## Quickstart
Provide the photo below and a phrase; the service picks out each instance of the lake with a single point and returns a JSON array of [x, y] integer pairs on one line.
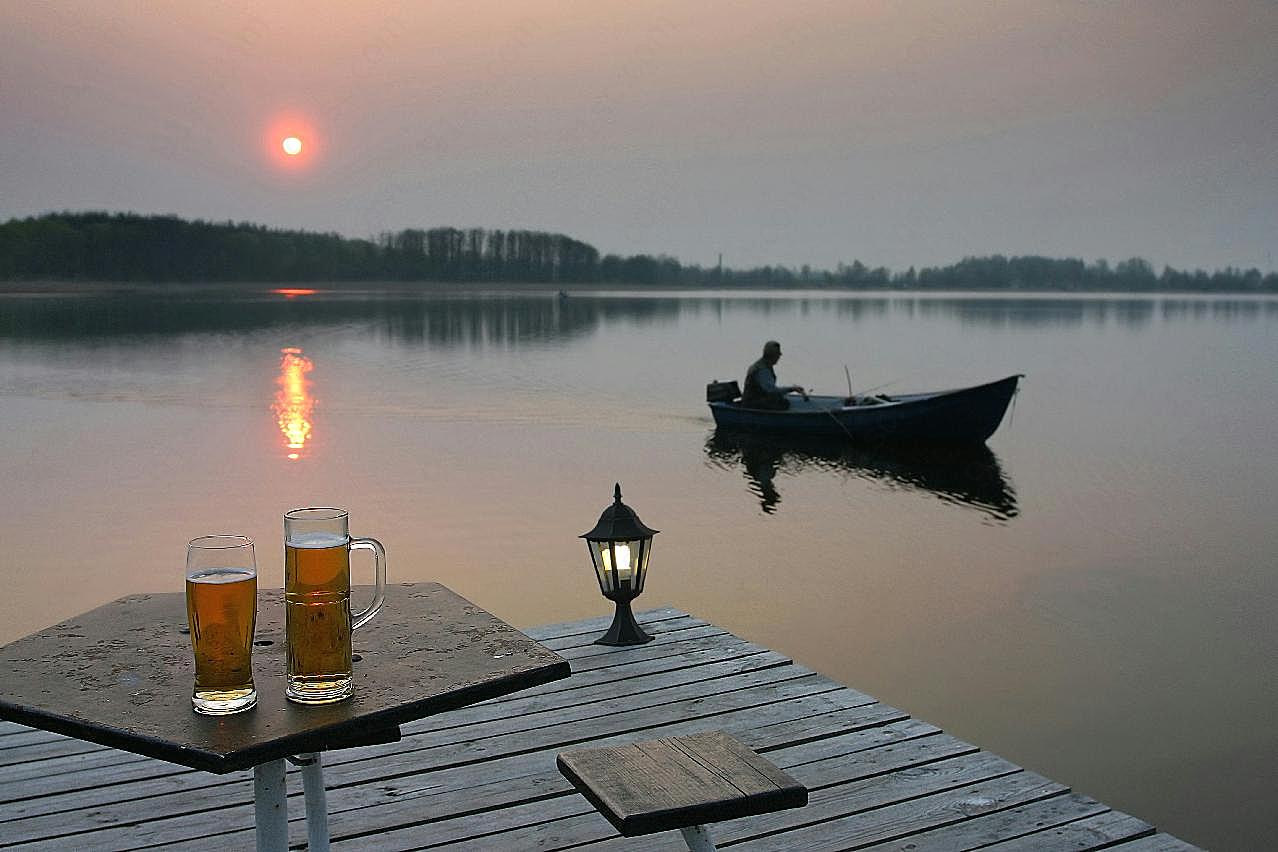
[[1091, 598]]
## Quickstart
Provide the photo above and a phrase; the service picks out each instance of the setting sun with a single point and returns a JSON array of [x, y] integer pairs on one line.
[[291, 141]]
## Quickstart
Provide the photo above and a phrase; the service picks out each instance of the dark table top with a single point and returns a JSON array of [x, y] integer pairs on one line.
[[121, 675]]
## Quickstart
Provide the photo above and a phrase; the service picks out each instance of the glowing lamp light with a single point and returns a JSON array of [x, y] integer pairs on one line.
[[619, 548], [292, 146], [624, 571]]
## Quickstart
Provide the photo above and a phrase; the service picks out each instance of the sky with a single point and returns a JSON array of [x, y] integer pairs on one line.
[[896, 132]]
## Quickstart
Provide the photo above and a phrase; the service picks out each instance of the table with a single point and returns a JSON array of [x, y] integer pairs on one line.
[[680, 782], [121, 675]]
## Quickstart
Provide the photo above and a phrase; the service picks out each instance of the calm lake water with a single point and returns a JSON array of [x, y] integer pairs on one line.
[[1093, 598]]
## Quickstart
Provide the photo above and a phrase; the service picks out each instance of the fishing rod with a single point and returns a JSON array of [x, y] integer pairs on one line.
[[847, 374], [876, 387]]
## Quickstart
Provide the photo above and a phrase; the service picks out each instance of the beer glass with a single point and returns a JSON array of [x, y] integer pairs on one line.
[[221, 609], [317, 602]]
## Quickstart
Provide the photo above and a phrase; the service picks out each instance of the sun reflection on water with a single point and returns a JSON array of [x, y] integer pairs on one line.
[[293, 401]]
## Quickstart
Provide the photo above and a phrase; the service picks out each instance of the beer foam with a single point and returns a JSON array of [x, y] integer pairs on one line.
[[316, 540], [220, 575]]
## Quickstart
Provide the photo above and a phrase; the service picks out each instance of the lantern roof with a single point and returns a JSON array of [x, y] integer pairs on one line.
[[618, 523]]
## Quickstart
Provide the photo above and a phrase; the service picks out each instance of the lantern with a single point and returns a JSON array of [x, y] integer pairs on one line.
[[619, 547]]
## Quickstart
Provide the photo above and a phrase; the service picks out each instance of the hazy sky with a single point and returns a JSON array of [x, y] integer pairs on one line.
[[895, 132]]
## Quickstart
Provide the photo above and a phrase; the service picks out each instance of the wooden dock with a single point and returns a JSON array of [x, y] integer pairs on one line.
[[484, 778]]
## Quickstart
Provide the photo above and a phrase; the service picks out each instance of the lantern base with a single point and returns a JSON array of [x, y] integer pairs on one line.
[[624, 629]]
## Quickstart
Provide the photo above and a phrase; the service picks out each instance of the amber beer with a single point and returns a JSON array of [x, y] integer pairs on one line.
[[221, 611], [317, 602], [317, 583]]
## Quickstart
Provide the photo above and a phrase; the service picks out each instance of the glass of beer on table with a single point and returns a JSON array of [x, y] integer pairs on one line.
[[317, 602], [221, 609]]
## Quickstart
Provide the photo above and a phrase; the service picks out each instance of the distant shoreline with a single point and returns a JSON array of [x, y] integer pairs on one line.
[[89, 251], [156, 288]]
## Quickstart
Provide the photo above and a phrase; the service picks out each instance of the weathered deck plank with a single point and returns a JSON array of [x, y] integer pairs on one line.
[[1095, 832], [484, 778]]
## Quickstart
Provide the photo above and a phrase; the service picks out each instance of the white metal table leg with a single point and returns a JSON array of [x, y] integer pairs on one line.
[[698, 839], [316, 801], [270, 807]]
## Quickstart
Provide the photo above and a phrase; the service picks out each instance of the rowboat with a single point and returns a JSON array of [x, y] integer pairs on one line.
[[959, 416]]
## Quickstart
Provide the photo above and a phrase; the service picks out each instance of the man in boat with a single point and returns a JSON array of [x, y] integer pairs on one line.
[[761, 389]]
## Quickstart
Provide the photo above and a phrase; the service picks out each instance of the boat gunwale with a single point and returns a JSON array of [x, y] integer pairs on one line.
[[895, 402]]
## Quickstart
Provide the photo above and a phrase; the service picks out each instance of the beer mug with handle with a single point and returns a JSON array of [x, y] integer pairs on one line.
[[317, 602]]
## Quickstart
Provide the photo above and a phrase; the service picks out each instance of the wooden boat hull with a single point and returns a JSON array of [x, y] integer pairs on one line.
[[962, 416]]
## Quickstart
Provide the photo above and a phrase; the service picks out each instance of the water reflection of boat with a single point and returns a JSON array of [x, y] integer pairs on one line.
[[961, 416], [964, 476]]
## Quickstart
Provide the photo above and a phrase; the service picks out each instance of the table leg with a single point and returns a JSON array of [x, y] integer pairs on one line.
[[316, 801], [270, 807], [697, 838]]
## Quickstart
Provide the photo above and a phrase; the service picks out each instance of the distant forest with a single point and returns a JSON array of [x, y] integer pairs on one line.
[[127, 247]]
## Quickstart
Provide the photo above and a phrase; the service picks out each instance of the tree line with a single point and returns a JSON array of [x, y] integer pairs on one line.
[[128, 247]]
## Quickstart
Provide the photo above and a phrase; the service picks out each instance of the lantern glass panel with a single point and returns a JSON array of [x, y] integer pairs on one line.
[[596, 557], [644, 551], [620, 564]]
